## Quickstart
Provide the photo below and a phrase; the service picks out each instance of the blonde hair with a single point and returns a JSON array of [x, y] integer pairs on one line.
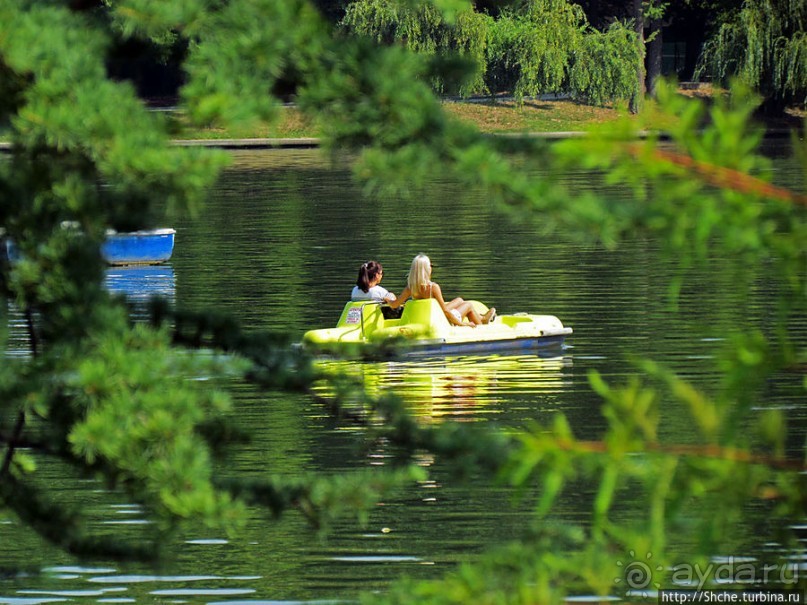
[[419, 274]]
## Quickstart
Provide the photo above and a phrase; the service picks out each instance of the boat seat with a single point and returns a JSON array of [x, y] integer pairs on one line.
[[364, 315], [425, 312]]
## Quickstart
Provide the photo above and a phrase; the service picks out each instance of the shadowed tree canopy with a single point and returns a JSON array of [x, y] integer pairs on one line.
[[765, 44]]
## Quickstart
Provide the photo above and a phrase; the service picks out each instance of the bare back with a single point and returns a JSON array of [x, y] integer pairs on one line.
[[425, 292]]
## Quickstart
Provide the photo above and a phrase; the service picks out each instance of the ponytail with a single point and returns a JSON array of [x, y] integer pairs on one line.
[[363, 281], [368, 272]]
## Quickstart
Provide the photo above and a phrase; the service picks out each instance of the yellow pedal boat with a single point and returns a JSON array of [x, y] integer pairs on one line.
[[423, 328]]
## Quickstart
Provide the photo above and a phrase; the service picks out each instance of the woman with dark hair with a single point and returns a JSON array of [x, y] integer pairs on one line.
[[367, 288]]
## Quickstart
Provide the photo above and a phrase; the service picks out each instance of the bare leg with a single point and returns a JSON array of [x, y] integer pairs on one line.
[[466, 309]]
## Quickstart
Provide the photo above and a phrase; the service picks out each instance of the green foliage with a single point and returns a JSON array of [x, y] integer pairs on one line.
[[369, 86], [121, 403], [694, 216], [513, 575], [764, 44], [604, 66], [537, 43], [96, 393], [138, 411], [700, 488], [323, 499], [544, 46], [424, 28], [698, 196], [654, 9], [131, 155], [283, 36]]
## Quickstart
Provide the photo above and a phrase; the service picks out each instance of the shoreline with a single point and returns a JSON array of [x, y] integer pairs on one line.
[[314, 142], [776, 132]]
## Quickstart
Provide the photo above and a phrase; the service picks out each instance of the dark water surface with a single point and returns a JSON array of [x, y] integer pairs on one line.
[[278, 246]]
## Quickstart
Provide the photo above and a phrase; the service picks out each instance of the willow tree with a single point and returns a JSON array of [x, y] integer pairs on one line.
[[765, 44], [604, 67], [533, 48], [424, 29], [536, 43], [95, 393]]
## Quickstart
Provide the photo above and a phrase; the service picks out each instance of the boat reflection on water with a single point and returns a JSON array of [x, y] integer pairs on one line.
[[14, 336], [140, 283], [465, 388], [137, 283]]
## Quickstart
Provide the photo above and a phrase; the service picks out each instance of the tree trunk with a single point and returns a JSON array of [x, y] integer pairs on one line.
[[654, 55], [637, 100]]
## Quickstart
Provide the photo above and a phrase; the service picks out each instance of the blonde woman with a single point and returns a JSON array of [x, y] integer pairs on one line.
[[419, 286]]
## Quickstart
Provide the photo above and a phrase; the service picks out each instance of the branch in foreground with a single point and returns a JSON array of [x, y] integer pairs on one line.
[[725, 178]]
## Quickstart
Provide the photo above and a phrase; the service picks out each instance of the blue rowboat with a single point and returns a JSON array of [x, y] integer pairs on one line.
[[147, 247]]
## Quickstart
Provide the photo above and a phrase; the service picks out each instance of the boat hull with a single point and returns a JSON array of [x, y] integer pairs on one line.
[[510, 346], [148, 247], [423, 330], [139, 247]]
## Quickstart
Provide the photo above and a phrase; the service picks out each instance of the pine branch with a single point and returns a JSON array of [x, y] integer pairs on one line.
[[725, 178], [710, 451], [63, 527]]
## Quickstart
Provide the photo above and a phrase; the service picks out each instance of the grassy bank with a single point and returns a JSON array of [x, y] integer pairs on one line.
[[489, 116], [498, 116]]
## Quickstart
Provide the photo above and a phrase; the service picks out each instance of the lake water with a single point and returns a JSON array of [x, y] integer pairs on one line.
[[278, 246]]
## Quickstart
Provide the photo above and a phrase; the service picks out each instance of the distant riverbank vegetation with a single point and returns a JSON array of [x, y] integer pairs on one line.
[[765, 44], [539, 47], [552, 65], [595, 51], [492, 116]]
